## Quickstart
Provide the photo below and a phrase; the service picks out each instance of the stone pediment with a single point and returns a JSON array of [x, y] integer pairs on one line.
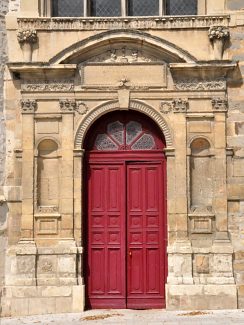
[[123, 54]]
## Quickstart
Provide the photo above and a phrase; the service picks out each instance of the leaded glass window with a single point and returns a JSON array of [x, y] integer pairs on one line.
[[105, 8], [129, 136], [143, 8], [181, 7], [67, 8]]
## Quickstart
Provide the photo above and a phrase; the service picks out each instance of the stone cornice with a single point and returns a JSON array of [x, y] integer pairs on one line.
[[91, 23]]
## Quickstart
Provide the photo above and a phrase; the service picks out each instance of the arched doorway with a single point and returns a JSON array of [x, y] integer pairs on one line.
[[126, 228]]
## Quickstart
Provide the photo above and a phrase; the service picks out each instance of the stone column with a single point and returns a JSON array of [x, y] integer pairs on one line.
[[27, 222], [220, 188], [66, 181], [179, 248]]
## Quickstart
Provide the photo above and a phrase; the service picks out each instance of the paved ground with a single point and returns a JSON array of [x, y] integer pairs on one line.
[[133, 317]]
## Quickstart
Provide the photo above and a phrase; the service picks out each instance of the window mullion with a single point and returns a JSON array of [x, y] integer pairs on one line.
[[85, 8], [123, 8], [161, 7]]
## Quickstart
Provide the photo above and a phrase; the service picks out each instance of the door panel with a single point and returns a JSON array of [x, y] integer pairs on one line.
[[145, 253], [106, 236]]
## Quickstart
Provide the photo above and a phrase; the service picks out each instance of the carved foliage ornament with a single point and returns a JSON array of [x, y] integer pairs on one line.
[[218, 32], [28, 105], [196, 84], [178, 105], [220, 104], [70, 105], [52, 86], [27, 35]]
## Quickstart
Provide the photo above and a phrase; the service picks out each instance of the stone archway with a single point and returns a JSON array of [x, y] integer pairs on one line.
[[112, 106]]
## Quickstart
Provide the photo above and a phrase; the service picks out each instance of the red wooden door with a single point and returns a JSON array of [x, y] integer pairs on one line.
[[126, 227]]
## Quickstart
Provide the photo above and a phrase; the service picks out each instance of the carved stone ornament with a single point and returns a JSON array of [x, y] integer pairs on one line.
[[166, 107], [27, 35], [81, 108], [123, 55], [70, 105], [218, 36], [218, 32], [122, 22], [67, 105], [220, 104], [178, 105], [47, 209], [196, 84], [46, 266], [28, 106], [52, 86]]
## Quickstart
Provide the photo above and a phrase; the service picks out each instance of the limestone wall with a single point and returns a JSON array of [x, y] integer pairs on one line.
[[3, 208], [235, 140]]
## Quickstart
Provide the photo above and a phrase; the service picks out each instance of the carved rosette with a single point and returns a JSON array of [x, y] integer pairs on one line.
[[26, 38], [67, 105], [178, 105], [220, 104], [81, 108], [218, 35], [28, 106]]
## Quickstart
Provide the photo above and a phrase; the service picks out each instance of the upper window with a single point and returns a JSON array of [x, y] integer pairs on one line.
[[117, 8]]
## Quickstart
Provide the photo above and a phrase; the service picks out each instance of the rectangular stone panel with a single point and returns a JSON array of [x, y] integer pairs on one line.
[[119, 75], [47, 127], [238, 167]]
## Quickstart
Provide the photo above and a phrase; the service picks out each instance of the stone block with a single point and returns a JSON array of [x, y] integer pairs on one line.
[[238, 167], [42, 306], [19, 307], [63, 305], [78, 299], [66, 265], [202, 263], [58, 291]]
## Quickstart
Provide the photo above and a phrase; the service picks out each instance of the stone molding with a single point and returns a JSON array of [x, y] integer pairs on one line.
[[178, 105], [220, 104], [91, 23], [114, 105], [51, 86], [28, 106], [198, 85], [71, 106]]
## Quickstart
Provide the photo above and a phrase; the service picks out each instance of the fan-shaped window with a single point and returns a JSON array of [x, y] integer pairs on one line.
[[125, 131]]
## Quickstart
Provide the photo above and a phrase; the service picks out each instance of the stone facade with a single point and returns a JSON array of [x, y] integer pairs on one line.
[[53, 94]]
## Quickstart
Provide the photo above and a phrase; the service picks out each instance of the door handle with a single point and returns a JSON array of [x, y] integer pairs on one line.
[[130, 253]]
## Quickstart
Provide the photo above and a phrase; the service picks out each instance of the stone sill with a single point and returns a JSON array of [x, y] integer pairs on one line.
[[103, 23]]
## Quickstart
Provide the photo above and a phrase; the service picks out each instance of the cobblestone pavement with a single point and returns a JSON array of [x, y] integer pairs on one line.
[[134, 317]]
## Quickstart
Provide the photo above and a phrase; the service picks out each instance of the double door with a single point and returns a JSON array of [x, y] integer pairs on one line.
[[126, 235]]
